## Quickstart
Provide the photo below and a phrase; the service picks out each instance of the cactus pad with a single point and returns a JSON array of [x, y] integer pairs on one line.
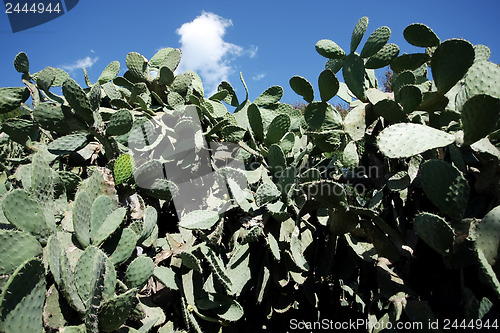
[[139, 271], [20, 247], [435, 232], [22, 298], [445, 186], [406, 140], [488, 235], [418, 34]]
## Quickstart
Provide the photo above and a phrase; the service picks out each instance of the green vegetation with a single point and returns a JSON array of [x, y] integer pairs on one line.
[[137, 204]]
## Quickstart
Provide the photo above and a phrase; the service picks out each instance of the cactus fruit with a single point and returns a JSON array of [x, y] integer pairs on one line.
[[406, 140], [419, 34], [23, 297], [139, 271]]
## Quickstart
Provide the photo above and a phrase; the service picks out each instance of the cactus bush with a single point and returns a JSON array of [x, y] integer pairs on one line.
[[138, 204]]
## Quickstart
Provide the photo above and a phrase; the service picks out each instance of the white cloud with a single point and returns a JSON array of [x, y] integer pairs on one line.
[[259, 77], [86, 62], [252, 52], [205, 51]]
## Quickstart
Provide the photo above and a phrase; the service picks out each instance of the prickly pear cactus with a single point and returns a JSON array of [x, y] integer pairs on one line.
[[136, 203]]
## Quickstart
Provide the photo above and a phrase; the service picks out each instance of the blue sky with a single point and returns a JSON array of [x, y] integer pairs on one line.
[[269, 41]]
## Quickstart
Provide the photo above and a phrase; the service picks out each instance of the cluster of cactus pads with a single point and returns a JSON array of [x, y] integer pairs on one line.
[[391, 213]]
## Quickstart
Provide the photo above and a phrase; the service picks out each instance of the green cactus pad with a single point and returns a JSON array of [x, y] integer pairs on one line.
[[25, 213], [383, 57], [157, 60], [123, 169], [418, 34], [350, 157], [68, 143], [120, 123], [42, 180], [21, 63], [328, 85], [390, 111], [277, 129], [303, 88], [481, 53], [109, 73], [199, 219], [50, 117], [137, 65], [115, 311], [375, 42], [358, 32], [445, 186], [435, 232], [55, 310], [480, 115], [355, 123], [77, 99], [20, 247], [86, 271], [255, 121], [334, 64], [125, 247], [489, 274], [101, 208], [406, 140], [447, 73], [22, 298], [329, 49], [266, 192], [483, 78], [354, 75], [11, 98], [410, 98], [139, 271], [45, 78], [172, 59], [327, 193], [276, 161], [270, 96], [409, 62], [109, 226], [149, 223], [82, 208], [487, 235], [20, 130]]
